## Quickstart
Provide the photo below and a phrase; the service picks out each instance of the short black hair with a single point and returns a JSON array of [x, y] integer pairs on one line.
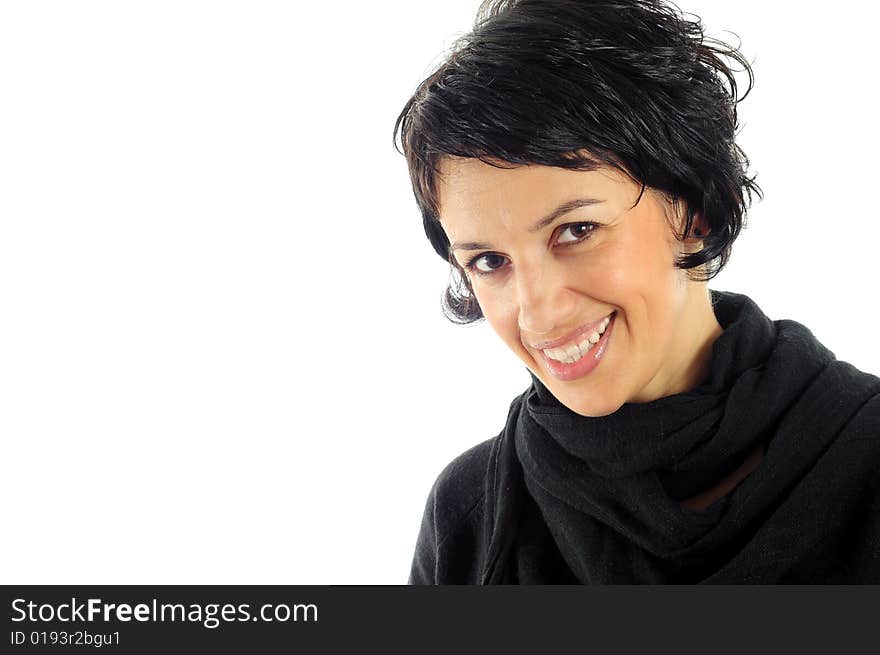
[[578, 84]]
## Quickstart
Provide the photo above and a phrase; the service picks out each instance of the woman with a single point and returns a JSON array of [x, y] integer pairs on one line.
[[575, 162]]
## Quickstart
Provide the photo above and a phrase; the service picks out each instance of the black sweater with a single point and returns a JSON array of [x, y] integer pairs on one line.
[[560, 498]]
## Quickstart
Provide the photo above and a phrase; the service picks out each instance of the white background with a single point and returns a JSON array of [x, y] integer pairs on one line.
[[222, 356]]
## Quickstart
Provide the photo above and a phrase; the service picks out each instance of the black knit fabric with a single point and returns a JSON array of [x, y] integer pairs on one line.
[[561, 498]]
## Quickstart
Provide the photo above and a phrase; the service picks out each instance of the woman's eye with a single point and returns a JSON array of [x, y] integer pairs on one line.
[[579, 232], [486, 263]]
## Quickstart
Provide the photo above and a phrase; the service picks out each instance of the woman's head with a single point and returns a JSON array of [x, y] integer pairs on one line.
[[551, 252], [548, 102]]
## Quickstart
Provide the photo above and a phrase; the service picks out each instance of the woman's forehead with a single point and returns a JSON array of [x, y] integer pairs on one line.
[[469, 188]]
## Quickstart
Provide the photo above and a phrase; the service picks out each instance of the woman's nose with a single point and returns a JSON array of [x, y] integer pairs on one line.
[[544, 302]]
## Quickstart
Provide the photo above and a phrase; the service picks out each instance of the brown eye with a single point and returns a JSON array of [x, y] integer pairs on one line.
[[579, 232], [486, 264]]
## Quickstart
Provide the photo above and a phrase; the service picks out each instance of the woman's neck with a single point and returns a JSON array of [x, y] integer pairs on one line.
[[691, 357]]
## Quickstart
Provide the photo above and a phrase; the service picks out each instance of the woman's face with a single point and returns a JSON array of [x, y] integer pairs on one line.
[[551, 254]]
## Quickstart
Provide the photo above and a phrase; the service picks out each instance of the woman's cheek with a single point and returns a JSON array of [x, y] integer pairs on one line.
[[502, 315], [612, 279]]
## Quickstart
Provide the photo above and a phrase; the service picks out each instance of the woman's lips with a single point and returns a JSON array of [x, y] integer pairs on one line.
[[583, 366], [572, 337]]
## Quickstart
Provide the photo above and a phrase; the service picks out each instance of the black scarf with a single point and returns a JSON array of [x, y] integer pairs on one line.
[[597, 500]]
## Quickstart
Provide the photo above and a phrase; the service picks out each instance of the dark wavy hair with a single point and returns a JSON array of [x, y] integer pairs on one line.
[[578, 84]]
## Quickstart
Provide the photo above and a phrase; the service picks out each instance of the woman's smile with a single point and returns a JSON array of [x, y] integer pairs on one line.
[[577, 358]]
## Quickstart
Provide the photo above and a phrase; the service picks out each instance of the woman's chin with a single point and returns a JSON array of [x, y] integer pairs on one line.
[[591, 409], [586, 402]]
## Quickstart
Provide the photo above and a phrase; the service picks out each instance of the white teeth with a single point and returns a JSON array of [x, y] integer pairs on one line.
[[571, 353]]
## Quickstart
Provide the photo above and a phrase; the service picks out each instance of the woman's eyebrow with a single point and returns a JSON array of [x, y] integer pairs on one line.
[[561, 210]]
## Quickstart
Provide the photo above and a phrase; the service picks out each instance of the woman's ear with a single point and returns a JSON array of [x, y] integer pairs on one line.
[[693, 241], [699, 229], [701, 226]]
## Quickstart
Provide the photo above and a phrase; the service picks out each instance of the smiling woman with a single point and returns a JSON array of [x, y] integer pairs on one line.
[[575, 163], [556, 291]]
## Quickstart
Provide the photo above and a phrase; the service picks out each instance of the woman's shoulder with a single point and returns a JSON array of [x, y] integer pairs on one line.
[[460, 486], [857, 394], [451, 538]]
